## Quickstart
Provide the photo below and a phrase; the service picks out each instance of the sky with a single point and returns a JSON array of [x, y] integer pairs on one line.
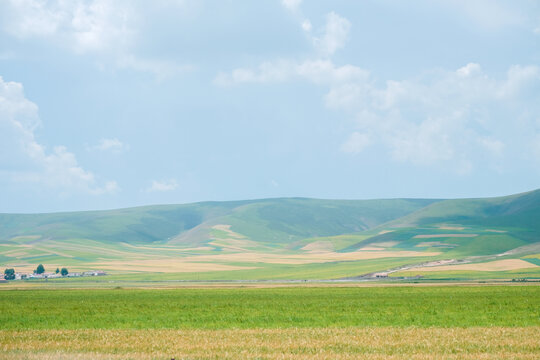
[[111, 104]]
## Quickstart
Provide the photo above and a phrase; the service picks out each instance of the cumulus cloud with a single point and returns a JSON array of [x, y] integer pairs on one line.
[[165, 185], [85, 26], [23, 158], [306, 25], [104, 28], [113, 145], [489, 14], [335, 34], [161, 69], [332, 37], [291, 5], [356, 143], [494, 146], [316, 71], [441, 117]]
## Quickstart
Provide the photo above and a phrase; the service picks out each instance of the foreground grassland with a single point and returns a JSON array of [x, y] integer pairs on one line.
[[271, 308], [447, 322], [295, 343]]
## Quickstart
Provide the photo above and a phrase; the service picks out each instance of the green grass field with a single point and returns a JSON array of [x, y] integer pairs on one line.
[[271, 307], [441, 322]]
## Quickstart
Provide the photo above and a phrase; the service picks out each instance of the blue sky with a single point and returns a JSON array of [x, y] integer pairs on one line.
[[107, 104]]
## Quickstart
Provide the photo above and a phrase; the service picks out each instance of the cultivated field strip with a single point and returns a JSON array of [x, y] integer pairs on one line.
[[293, 343]]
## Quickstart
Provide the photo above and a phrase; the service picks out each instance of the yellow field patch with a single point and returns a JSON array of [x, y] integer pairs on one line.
[[25, 238], [234, 241], [293, 343], [433, 243], [498, 265], [319, 246], [429, 236], [227, 229], [166, 265], [321, 257], [387, 244], [166, 248], [448, 227]]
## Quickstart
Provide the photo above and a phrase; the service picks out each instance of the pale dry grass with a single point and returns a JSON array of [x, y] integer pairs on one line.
[[447, 227], [234, 241], [387, 244], [319, 257], [319, 246], [320, 343], [167, 248], [498, 265], [227, 228], [166, 265], [434, 243], [429, 236]]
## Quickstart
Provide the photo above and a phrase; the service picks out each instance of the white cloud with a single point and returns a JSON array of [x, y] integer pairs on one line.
[[306, 25], [161, 69], [441, 118], [468, 70], [165, 185], [23, 158], [520, 79], [85, 26], [106, 29], [316, 71], [291, 5], [113, 145], [494, 146], [356, 143], [335, 35], [489, 14]]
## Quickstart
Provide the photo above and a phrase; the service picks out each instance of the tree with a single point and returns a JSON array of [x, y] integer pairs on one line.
[[40, 269], [57, 270], [9, 274], [64, 271]]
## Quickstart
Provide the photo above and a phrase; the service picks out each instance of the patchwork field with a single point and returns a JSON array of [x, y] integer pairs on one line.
[[286, 239], [438, 322]]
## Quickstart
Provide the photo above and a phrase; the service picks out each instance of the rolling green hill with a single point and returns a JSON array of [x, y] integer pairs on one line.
[[287, 238], [278, 220]]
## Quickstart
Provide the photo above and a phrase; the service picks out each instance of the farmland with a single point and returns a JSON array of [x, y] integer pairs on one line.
[[285, 239], [297, 322]]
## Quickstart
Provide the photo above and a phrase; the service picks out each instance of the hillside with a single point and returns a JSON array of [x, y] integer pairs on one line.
[[288, 238], [277, 220]]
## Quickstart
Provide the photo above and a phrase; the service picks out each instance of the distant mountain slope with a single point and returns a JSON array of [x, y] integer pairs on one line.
[[520, 211], [287, 238], [269, 220]]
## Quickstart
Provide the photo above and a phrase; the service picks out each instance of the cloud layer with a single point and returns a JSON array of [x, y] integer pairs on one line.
[[24, 159]]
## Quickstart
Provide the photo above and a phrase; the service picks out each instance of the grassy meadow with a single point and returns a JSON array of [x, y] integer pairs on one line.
[[202, 281], [453, 322]]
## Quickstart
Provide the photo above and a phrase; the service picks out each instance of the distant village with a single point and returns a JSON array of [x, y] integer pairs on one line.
[[40, 273]]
